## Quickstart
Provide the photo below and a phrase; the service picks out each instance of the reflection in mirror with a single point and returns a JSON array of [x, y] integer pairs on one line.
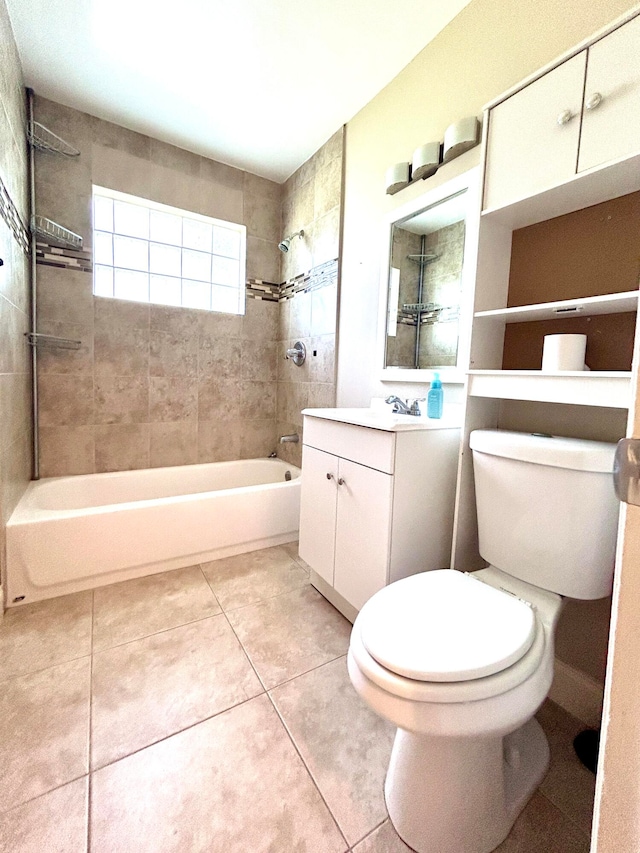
[[425, 286]]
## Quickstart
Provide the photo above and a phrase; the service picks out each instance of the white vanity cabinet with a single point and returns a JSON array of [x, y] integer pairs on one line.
[[376, 502], [578, 115]]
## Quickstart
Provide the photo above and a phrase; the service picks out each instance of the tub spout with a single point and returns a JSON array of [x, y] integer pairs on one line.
[[294, 439]]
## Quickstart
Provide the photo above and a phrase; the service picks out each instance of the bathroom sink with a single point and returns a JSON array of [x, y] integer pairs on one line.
[[380, 419]]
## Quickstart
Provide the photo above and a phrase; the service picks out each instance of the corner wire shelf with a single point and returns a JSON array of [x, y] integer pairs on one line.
[[43, 139], [37, 339], [423, 259], [429, 313], [55, 234]]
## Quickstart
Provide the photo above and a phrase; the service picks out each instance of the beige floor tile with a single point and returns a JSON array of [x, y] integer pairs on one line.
[[39, 635], [44, 731], [253, 577], [345, 746], [290, 634], [233, 783], [151, 688], [542, 827], [384, 840], [292, 550], [134, 609], [568, 784], [53, 823]]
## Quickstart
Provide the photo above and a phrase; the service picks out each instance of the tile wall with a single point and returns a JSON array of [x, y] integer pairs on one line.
[[154, 386], [312, 200], [15, 412], [151, 385]]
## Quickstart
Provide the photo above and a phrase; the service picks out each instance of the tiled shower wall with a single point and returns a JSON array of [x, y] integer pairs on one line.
[[312, 201], [151, 385], [15, 413]]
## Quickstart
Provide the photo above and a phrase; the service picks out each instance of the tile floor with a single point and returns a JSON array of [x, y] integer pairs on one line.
[[209, 709]]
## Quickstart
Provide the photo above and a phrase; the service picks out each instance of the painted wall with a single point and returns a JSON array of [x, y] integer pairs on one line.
[[15, 412], [489, 47]]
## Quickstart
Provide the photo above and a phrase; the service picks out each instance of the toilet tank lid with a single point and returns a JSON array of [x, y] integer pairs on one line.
[[556, 451]]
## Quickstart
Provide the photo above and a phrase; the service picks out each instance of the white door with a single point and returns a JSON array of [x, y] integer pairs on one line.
[[362, 532], [318, 496], [533, 135], [611, 118]]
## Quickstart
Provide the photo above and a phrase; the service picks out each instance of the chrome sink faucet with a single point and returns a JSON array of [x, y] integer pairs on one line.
[[400, 407]]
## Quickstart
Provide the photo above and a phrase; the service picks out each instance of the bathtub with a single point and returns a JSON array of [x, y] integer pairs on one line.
[[73, 533]]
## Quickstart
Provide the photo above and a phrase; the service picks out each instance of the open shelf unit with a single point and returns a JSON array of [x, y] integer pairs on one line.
[[610, 303], [606, 388]]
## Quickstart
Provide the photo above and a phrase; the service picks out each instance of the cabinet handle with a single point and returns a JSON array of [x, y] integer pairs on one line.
[[341, 481], [564, 117], [594, 101], [329, 476]]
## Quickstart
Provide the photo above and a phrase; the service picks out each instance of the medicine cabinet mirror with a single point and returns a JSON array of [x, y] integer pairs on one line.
[[427, 288]]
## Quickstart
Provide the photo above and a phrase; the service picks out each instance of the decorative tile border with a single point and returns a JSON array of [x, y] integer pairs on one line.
[[321, 276], [55, 256], [9, 213]]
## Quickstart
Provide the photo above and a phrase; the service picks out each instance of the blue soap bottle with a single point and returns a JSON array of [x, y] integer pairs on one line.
[[434, 398]]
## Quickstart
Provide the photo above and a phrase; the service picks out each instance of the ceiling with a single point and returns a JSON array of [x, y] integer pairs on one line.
[[258, 84]]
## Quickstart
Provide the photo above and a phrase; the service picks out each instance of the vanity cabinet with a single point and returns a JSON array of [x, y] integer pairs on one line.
[[376, 504], [576, 116]]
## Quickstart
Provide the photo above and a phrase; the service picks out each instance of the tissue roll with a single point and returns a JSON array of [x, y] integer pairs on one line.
[[563, 352]]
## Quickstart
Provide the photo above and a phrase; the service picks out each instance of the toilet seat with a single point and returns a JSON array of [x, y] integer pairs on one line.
[[446, 692], [446, 626]]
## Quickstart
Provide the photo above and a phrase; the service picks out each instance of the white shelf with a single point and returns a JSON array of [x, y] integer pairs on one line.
[[608, 388], [610, 303]]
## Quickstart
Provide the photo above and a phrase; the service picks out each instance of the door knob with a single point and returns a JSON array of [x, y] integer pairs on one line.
[[341, 481], [329, 476], [626, 471], [593, 101], [564, 117]]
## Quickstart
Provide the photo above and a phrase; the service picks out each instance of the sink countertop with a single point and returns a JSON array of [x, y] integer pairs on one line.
[[384, 420]]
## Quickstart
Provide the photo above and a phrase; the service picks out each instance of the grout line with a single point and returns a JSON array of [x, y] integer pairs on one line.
[[306, 672], [42, 794], [42, 668], [311, 776]]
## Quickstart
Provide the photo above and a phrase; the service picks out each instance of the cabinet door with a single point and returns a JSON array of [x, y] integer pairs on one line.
[[362, 532], [318, 496], [529, 147], [611, 118]]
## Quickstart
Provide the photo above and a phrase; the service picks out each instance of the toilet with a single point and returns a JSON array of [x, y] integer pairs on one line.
[[461, 662]]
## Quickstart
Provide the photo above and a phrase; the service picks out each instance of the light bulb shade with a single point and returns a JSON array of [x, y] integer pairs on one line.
[[397, 177], [426, 160], [460, 137]]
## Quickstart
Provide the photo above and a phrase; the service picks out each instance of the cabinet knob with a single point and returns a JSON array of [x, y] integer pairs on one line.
[[329, 476], [340, 481], [593, 101], [564, 117]]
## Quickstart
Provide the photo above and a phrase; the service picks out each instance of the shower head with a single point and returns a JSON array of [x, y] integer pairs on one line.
[[284, 245]]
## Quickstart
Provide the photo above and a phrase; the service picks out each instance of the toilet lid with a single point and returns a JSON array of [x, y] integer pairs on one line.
[[445, 626]]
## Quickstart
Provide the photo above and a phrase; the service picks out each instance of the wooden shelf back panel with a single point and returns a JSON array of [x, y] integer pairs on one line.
[[592, 251], [609, 341]]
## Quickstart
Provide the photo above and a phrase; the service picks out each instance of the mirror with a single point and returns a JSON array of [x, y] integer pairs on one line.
[[427, 280]]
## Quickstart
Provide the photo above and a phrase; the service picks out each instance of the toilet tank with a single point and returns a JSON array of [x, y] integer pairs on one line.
[[547, 511]]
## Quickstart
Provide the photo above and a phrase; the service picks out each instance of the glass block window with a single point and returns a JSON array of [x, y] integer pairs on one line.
[[149, 252]]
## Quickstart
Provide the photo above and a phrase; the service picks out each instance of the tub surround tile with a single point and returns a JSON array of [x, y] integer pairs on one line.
[[111, 314], [260, 321], [151, 688], [223, 362], [219, 440], [173, 444], [258, 360], [345, 746], [251, 578], [36, 636], [233, 782], [290, 634], [44, 731], [68, 361], [173, 398], [138, 608], [121, 399], [258, 400], [121, 447], [212, 327], [257, 438], [219, 399], [67, 450], [55, 822], [172, 355], [65, 295], [65, 400], [121, 351]]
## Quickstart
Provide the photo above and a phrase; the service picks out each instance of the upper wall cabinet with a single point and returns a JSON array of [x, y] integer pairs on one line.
[[581, 114]]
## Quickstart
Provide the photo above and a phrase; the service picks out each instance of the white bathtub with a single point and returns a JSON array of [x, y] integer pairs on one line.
[[73, 533]]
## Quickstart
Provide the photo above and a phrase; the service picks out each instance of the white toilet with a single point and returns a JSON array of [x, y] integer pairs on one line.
[[460, 662]]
